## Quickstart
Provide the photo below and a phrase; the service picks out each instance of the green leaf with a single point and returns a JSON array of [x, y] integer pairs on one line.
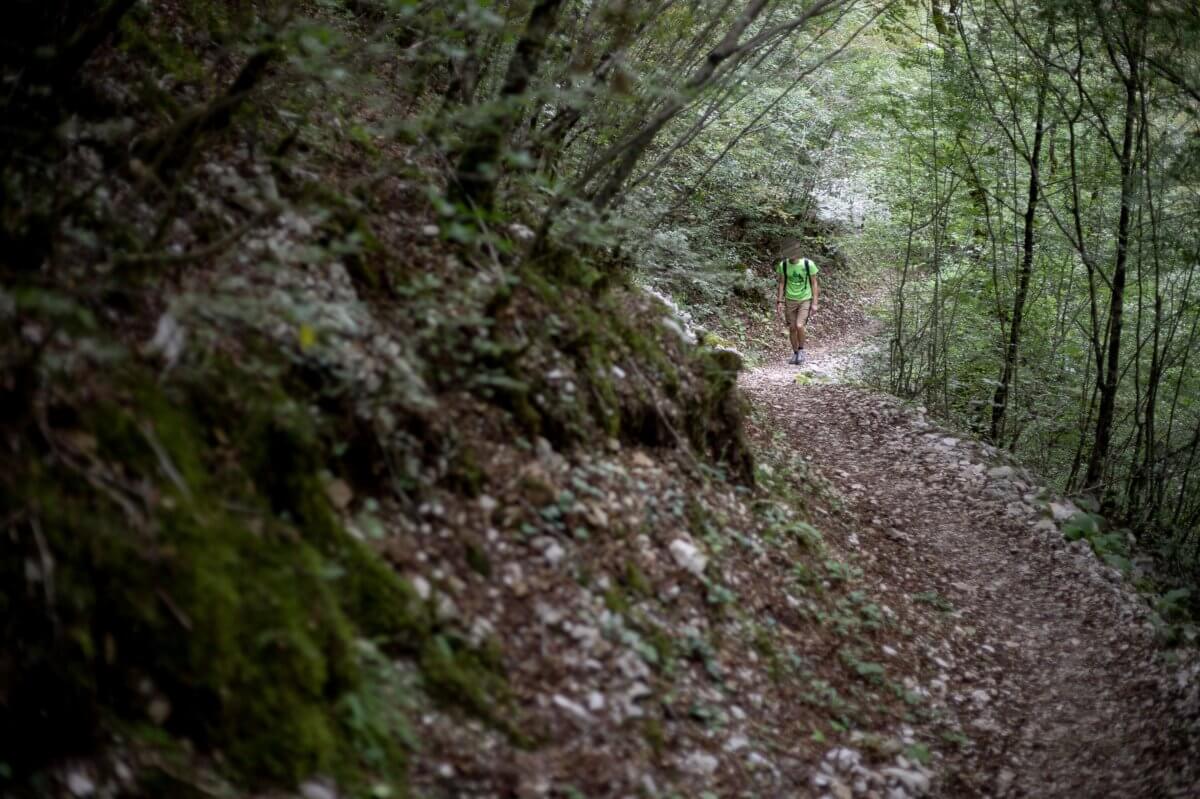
[[919, 752], [1081, 525]]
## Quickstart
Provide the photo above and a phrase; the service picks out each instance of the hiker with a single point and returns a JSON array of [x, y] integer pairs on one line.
[[799, 295]]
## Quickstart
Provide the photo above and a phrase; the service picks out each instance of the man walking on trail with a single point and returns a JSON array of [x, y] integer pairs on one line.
[[799, 295]]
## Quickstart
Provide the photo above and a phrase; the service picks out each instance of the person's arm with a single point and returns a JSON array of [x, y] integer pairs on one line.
[[816, 287], [779, 293]]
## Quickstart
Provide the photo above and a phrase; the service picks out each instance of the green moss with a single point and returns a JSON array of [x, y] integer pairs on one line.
[[465, 474], [235, 626], [466, 677], [616, 601], [663, 643], [655, 735], [195, 557], [636, 580], [477, 558], [674, 390], [715, 411], [698, 517]]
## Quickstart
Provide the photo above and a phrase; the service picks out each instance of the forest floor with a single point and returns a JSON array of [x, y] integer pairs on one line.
[[1039, 661]]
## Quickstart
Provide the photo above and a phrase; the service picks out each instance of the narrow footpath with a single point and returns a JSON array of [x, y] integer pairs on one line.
[[1038, 658]]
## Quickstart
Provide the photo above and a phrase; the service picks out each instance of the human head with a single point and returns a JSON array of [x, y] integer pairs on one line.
[[791, 249]]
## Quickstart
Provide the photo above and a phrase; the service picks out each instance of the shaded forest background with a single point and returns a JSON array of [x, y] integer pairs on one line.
[[263, 259]]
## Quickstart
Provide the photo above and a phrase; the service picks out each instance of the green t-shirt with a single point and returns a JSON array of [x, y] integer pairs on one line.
[[799, 282]]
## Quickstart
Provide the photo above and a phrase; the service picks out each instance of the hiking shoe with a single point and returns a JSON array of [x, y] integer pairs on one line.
[[800, 359], [792, 360]]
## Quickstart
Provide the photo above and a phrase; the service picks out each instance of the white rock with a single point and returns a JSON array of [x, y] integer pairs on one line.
[[586, 635], [914, 782], [481, 630], [756, 760], [421, 586], [312, 789], [445, 609], [843, 758], [688, 557], [700, 763], [595, 701], [429, 230], [1046, 526], [547, 614], [1062, 511], [80, 784], [736, 742], [554, 554], [521, 232], [980, 696], [573, 709], [1000, 472], [169, 339]]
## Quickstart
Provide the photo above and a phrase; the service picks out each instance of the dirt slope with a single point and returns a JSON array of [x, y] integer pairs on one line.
[[1037, 657]]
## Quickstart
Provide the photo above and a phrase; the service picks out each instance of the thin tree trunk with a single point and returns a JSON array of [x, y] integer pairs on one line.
[[478, 168], [1098, 460], [631, 150], [1012, 352]]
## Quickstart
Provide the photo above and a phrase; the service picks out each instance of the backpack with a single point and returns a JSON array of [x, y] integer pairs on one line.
[[807, 269]]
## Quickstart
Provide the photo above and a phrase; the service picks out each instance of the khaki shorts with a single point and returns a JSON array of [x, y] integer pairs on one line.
[[796, 312]]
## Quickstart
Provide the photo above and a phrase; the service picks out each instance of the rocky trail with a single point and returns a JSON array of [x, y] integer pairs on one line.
[[1038, 659]]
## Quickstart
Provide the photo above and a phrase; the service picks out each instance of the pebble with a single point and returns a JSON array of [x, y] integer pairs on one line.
[[80, 784], [314, 789], [554, 554], [688, 557], [445, 609], [573, 709], [521, 232], [843, 758], [736, 743], [700, 763]]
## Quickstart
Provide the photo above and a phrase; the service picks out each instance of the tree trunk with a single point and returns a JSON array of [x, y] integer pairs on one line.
[[1012, 352], [478, 168], [1098, 460]]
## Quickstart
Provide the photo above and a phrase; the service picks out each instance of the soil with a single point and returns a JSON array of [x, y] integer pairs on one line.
[[1039, 658]]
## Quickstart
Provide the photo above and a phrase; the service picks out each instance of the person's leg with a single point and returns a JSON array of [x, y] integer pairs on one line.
[[792, 315], [801, 319]]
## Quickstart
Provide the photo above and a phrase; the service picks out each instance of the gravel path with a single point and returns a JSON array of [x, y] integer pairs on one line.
[[1038, 659]]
